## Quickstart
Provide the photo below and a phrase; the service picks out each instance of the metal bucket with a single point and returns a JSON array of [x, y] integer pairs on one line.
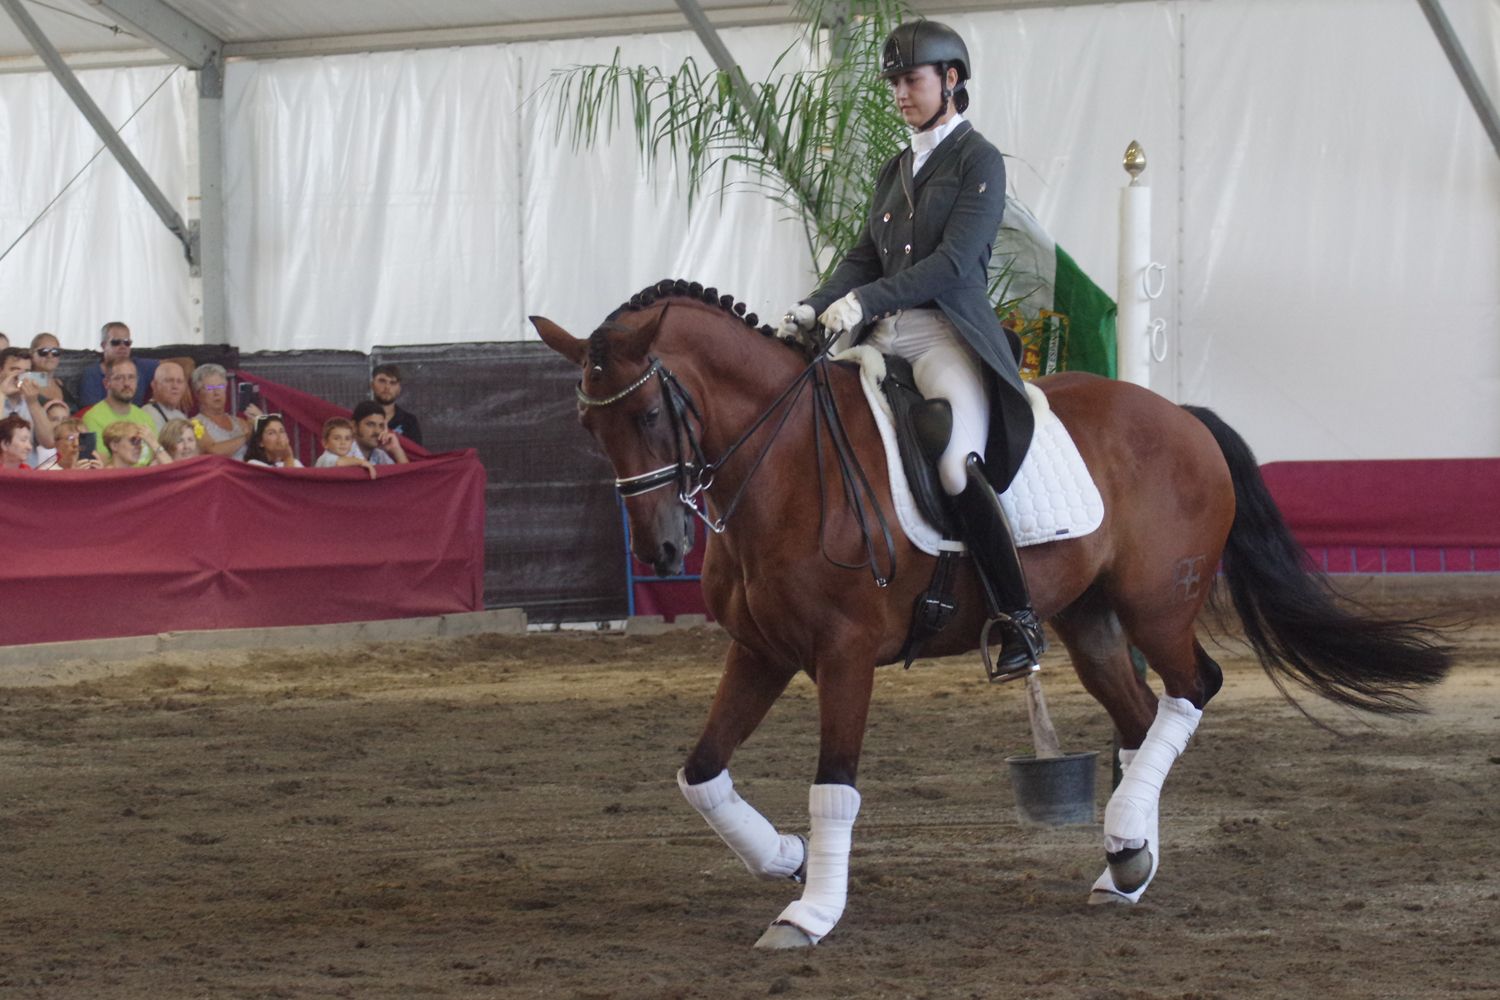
[[1054, 791]]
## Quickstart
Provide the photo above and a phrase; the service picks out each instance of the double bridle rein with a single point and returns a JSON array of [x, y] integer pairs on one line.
[[693, 473]]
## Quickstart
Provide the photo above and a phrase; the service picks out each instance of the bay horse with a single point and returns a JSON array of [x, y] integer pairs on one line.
[[691, 403]]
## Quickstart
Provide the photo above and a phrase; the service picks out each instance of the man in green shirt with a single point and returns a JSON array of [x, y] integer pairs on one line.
[[119, 389]]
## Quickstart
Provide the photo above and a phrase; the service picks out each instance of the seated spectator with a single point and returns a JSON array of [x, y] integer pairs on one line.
[[15, 443], [66, 457], [21, 396], [114, 345], [169, 395], [385, 389], [131, 445], [180, 439], [338, 446], [270, 444], [223, 432], [372, 441], [46, 355], [117, 406], [56, 412]]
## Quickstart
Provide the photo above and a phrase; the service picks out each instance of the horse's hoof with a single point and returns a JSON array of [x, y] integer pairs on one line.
[[1130, 868], [781, 936]]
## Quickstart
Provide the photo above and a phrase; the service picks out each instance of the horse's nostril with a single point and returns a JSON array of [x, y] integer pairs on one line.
[[668, 552]]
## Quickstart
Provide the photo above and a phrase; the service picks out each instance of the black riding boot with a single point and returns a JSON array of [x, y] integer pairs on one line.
[[988, 536]]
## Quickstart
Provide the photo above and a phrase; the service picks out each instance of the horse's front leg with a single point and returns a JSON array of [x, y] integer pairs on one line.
[[747, 690], [832, 803]]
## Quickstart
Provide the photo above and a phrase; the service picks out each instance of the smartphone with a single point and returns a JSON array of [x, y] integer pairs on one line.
[[248, 394], [40, 378], [86, 445]]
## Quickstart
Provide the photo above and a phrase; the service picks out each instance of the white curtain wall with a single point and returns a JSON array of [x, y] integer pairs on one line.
[[99, 253], [1324, 198]]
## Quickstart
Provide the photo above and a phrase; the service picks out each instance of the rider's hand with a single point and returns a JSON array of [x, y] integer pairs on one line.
[[844, 316], [797, 323]]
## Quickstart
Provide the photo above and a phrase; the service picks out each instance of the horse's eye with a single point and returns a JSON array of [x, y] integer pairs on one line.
[[651, 416]]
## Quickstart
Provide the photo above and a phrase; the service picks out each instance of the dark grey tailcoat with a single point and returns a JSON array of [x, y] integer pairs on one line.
[[927, 243]]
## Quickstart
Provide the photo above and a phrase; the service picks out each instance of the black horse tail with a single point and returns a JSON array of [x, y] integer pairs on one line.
[[1299, 628]]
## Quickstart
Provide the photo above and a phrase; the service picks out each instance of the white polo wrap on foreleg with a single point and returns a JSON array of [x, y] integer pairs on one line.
[[1130, 818], [768, 854], [832, 810]]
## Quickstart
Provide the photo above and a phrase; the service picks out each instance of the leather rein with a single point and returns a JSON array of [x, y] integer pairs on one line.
[[693, 474]]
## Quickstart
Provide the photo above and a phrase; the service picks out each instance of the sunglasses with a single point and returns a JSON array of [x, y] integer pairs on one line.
[[116, 342], [49, 352], [267, 416]]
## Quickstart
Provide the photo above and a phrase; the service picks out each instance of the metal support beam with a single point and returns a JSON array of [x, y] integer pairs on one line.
[[102, 127], [1472, 85], [182, 39], [209, 231]]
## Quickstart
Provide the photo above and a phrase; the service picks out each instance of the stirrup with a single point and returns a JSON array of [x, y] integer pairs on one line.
[[1034, 648]]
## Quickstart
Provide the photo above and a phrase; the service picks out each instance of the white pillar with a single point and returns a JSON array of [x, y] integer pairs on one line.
[[1132, 322]]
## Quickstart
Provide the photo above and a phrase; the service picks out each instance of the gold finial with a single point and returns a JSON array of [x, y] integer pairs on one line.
[[1135, 160]]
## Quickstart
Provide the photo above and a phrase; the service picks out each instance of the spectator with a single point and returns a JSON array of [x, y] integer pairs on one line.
[[68, 434], [117, 406], [56, 412], [15, 442], [372, 440], [169, 395], [270, 444], [180, 439], [385, 389], [114, 344], [46, 355], [132, 445], [223, 432], [22, 395], [338, 446]]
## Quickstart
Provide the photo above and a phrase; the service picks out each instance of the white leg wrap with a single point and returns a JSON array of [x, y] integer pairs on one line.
[[1132, 817], [768, 854], [832, 809]]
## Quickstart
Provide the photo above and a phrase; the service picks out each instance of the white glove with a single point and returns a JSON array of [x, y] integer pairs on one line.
[[844, 316], [797, 322]]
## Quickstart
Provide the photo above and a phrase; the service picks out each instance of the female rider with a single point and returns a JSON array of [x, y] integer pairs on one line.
[[919, 274]]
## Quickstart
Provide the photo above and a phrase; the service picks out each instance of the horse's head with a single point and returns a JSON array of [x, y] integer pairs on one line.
[[625, 402]]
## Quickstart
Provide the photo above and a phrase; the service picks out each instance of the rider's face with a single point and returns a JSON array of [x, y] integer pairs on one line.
[[918, 93]]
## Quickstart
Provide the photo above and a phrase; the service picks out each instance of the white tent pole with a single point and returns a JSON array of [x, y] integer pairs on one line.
[[1132, 340]]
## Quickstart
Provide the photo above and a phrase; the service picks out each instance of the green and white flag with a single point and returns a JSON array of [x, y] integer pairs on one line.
[[1067, 323]]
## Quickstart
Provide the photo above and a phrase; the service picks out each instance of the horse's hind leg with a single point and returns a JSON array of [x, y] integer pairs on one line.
[[1132, 840], [1101, 656]]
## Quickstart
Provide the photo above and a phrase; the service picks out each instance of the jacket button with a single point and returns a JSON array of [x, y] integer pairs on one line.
[[908, 248], [887, 217]]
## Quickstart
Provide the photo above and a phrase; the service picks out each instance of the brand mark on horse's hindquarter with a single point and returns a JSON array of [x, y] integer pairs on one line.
[[1189, 579]]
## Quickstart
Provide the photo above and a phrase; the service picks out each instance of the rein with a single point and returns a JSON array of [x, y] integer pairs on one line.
[[695, 475]]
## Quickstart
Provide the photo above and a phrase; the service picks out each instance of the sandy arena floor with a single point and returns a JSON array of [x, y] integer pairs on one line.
[[497, 817]]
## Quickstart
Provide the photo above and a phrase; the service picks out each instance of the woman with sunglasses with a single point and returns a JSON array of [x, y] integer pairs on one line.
[[46, 355], [270, 444], [223, 432], [126, 441]]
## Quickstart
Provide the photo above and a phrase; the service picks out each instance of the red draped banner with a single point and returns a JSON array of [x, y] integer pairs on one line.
[[213, 543]]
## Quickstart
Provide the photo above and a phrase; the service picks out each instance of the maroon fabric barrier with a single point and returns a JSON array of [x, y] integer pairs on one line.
[[1426, 503], [214, 543]]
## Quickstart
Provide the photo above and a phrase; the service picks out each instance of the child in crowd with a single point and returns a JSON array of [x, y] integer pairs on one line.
[[338, 446], [180, 439]]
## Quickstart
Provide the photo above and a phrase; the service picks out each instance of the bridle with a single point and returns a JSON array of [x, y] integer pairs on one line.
[[693, 473]]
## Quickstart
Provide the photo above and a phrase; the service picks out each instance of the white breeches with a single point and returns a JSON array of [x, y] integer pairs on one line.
[[945, 367], [766, 853]]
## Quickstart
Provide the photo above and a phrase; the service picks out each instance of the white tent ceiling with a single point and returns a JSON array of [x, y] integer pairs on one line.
[[91, 32]]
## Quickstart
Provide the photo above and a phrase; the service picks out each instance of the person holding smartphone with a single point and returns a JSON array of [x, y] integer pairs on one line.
[[75, 448], [21, 395]]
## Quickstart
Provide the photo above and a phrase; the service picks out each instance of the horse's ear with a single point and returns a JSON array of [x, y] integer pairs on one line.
[[636, 344], [560, 340]]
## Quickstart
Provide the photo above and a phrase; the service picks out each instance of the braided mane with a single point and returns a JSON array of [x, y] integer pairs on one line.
[[682, 288]]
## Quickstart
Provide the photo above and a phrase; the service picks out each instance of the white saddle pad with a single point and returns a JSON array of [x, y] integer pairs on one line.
[[1052, 497]]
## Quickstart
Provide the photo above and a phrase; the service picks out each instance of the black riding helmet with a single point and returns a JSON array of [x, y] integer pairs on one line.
[[928, 43]]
